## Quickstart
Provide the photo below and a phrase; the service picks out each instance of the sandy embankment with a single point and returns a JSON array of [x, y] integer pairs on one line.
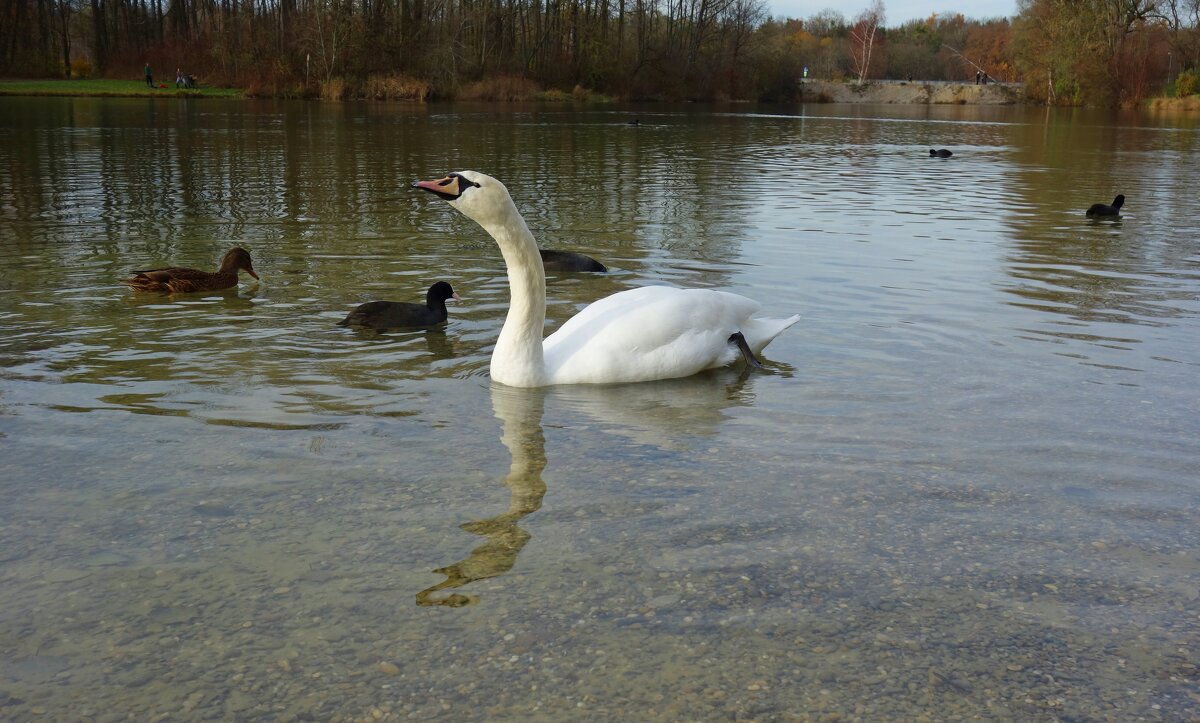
[[899, 91]]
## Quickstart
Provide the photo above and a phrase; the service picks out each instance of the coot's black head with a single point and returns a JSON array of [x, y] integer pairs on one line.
[[440, 292]]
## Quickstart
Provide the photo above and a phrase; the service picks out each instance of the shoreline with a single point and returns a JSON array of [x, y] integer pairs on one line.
[[811, 91], [1187, 103], [106, 88], [917, 92], [885, 92]]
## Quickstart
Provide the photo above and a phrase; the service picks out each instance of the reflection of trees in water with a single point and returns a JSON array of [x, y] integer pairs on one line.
[[600, 186], [521, 412], [1079, 277], [221, 355], [157, 178], [125, 187], [1099, 270]]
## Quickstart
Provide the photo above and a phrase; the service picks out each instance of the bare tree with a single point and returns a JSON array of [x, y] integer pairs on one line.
[[1183, 19], [864, 35]]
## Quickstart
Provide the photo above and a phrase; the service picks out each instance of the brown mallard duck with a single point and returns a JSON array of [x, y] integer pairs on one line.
[[180, 280]]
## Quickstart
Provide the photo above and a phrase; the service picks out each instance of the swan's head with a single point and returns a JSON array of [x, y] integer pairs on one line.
[[476, 195]]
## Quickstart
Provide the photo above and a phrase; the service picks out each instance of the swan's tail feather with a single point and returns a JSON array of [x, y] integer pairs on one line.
[[760, 332]]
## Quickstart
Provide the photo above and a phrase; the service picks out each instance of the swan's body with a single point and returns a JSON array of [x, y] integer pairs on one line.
[[654, 332], [1100, 209]]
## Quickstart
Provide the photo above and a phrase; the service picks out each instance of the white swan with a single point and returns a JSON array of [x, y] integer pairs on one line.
[[652, 332]]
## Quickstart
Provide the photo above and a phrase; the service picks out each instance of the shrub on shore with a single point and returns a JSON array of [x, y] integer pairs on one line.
[[81, 67], [1190, 103], [333, 89], [394, 86], [499, 88], [1186, 83]]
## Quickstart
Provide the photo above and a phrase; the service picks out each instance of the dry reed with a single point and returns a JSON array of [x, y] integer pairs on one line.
[[499, 88], [395, 86], [1190, 103]]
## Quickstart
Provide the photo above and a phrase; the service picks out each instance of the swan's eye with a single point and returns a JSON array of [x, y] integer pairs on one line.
[[467, 183]]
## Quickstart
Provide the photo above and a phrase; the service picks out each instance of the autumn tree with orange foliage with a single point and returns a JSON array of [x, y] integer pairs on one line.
[[987, 47]]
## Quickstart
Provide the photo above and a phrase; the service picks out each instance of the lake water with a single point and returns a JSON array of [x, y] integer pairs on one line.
[[967, 483]]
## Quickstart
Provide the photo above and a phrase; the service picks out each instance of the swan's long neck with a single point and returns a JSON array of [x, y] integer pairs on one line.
[[517, 358]]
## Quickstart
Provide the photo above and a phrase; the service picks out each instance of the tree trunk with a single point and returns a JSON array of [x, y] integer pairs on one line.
[[64, 29], [99, 36]]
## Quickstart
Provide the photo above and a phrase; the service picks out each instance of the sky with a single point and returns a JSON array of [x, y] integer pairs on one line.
[[896, 12]]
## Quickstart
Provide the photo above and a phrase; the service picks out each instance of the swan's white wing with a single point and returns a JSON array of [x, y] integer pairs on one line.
[[654, 332], [612, 307]]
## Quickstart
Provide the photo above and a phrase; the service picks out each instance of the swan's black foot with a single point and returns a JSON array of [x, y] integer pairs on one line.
[[737, 339]]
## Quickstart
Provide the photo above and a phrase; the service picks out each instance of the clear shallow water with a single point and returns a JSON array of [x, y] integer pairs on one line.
[[966, 485]]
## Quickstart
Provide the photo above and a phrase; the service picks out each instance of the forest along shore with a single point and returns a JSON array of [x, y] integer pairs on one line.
[[915, 92]]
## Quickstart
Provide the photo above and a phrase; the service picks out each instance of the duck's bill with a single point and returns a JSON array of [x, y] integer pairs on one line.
[[251, 272]]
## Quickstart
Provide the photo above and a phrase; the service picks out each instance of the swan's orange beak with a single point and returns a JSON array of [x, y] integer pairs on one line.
[[448, 188]]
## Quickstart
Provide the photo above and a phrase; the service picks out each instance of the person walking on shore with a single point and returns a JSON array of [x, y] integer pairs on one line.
[[149, 76]]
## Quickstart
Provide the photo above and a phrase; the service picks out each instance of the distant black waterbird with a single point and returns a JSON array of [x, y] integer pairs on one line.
[[1100, 209], [380, 315], [569, 261]]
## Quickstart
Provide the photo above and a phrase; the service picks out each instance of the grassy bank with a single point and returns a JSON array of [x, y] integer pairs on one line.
[[1191, 102], [115, 88], [375, 87]]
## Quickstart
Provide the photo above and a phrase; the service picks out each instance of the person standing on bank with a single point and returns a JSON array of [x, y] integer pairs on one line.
[[149, 76]]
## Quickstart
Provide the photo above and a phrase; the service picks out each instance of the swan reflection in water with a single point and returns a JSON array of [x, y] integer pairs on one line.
[[521, 412], [662, 414], [667, 414]]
